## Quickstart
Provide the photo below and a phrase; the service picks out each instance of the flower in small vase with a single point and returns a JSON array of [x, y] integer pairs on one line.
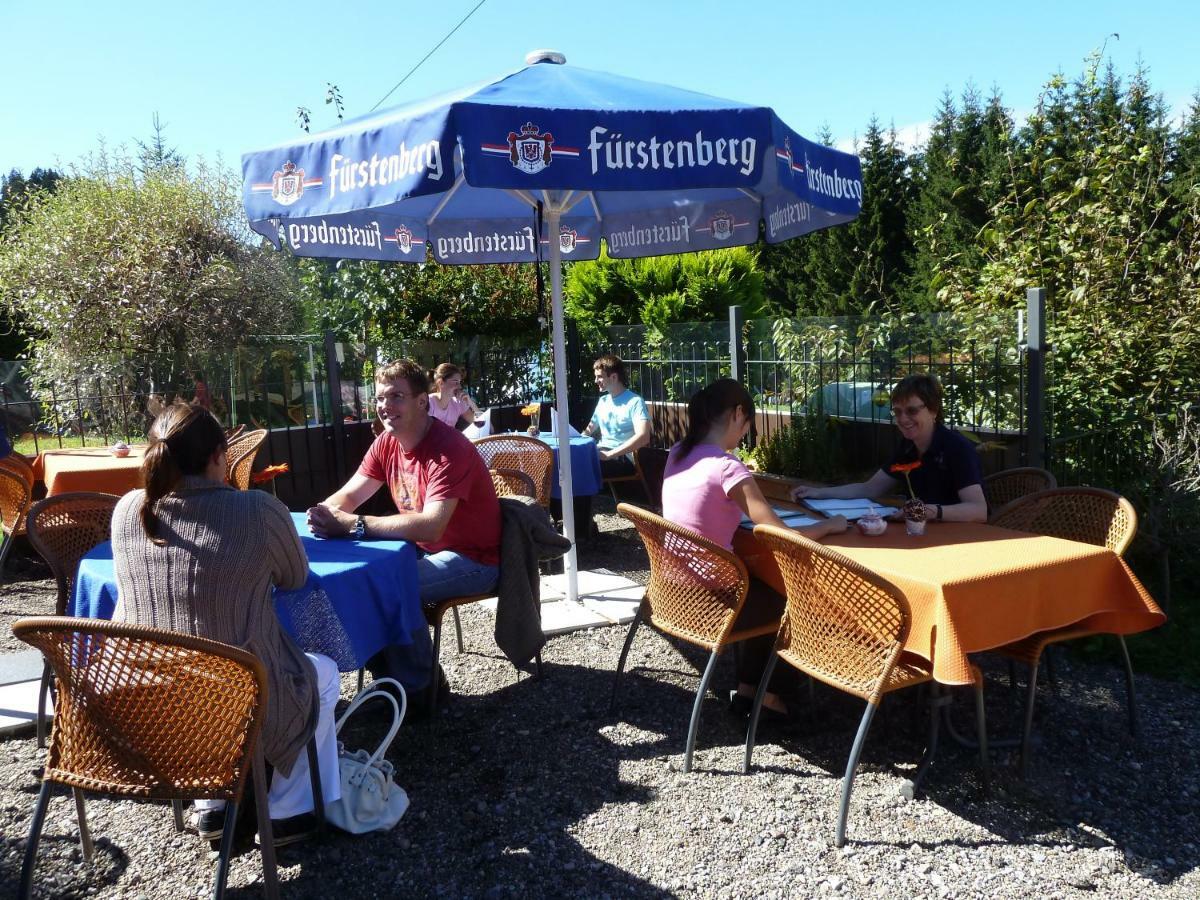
[[534, 411], [914, 509]]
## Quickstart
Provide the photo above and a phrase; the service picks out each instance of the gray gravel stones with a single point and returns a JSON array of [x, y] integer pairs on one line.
[[523, 788]]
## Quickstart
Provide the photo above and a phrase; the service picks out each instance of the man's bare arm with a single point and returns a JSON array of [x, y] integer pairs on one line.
[[426, 526]]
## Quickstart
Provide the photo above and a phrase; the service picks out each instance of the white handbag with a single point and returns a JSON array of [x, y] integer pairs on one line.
[[370, 800]]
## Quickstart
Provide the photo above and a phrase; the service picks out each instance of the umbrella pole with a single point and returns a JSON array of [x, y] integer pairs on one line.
[[560, 396]]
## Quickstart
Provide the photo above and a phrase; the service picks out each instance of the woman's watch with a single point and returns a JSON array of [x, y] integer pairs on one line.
[[360, 526]]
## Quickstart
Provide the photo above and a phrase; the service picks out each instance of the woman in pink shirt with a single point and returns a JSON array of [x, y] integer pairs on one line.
[[707, 489], [450, 402]]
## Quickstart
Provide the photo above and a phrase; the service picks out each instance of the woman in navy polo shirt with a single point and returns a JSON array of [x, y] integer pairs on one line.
[[949, 480]]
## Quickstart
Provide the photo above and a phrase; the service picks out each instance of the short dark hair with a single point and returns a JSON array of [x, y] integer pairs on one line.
[[611, 364], [407, 370], [924, 387]]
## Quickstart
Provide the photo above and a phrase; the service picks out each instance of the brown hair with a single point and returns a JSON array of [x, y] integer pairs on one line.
[[711, 403], [444, 371], [406, 369], [183, 439], [611, 364], [925, 388]]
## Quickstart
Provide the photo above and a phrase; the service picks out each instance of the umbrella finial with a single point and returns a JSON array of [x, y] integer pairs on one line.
[[533, 57]]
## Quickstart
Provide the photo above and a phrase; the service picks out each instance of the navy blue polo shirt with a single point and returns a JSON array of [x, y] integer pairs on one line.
[[950, 464]]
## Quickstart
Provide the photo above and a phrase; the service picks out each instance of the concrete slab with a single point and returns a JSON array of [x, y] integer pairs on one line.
[[18, 706], [563, 616]]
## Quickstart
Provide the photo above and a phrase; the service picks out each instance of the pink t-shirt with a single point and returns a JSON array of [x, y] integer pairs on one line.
[[452, 413], [695, 491]]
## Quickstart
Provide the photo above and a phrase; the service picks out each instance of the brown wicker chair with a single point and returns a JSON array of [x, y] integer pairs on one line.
[[1090, 516], [19, 464], [240, 456], [529, 455], [62, 529], [15, 494], [232, 434], [637, 475], [512, 483], [695, 593], [845, 626], [1002, 488], [150, 714]]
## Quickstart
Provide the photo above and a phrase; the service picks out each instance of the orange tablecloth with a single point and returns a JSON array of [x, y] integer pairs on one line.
[[974, 587], [88, 469]]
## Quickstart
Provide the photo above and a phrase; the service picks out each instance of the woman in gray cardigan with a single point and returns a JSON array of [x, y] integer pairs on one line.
[[194, 555]]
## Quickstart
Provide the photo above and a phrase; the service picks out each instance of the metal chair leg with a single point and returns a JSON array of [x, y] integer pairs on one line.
[[981, 728], [633, 627], [1048, 656], [85, 835], [435, 672], [177, 814], [937, 702], [759, 694], [35, 836], [537, 659], [851, 767], [266, 837], [314, 776], [458, 629], [694, 726], [361, 673], [1130, 696], [43, 693], [1027, 730], [231, 810]]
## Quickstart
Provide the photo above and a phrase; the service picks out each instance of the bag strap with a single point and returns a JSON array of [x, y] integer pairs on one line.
[[398, 711]]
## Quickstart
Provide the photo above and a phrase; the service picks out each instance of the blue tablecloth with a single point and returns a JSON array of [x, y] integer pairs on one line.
[[585, 466], [360, 597]]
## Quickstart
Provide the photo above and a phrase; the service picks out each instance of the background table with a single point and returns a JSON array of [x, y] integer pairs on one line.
[[585, 466], [974, 587], [360, 596], [88, 469]]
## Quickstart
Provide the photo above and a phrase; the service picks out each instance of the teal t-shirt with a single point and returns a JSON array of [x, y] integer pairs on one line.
[[616, 417]]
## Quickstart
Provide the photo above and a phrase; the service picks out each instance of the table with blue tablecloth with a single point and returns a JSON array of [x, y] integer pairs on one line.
[[360, 596], [585, 466]]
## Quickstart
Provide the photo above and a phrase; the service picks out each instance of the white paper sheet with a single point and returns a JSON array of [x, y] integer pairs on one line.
[[554, 424]]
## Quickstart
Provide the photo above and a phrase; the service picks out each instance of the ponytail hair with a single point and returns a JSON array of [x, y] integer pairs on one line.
[[183, 440], [709, 405]]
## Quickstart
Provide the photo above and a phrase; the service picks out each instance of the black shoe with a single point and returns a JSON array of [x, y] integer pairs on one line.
[[739, 704], [210, 824], [292, 830]]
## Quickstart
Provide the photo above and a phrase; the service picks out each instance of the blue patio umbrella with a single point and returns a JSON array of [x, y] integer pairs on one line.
[[542, 164]]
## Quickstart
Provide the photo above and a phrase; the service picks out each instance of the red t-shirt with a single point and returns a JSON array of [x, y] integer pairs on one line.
[[443, 466]]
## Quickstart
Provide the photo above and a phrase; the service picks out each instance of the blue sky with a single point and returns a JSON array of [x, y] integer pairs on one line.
[[226, 77]]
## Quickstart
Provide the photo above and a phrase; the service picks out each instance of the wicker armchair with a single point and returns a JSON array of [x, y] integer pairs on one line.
[[512, 483], [1090, 516], [15, 494], [232, 434], [845, 626], [149, 714], [62, 529], [1002, 488], [637, 475], [16, 462], [529, 455], [240, 456], [695, 593]]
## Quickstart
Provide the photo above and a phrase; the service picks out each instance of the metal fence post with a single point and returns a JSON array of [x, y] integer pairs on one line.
[[333, 382], [1035, 360], [737, 344]]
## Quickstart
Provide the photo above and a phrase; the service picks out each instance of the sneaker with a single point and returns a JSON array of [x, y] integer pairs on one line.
[[210, 824], [293, 830]]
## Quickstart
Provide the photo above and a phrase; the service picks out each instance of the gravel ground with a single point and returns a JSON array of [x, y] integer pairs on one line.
[[523, 788]]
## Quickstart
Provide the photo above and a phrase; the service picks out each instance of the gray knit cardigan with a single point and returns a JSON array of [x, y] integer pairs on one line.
[[225, 551]]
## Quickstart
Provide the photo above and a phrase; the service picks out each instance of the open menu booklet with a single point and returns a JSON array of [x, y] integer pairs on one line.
[[792, 518], [851, 509]]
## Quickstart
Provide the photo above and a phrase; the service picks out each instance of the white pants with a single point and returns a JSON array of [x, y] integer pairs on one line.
[[292, 795]]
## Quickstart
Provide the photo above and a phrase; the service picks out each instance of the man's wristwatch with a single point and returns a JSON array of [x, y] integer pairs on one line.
[[939, 515], [360, 528]]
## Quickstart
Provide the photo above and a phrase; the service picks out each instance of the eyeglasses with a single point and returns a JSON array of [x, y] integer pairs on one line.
[[909, 411]]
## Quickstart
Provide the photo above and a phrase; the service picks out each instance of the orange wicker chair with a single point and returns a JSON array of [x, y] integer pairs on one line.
[[529, 455], [845, 626], [232, 434], [513, 483], [150, 714], [1002, 488], [240, 455], [19, 464], [15, 495], [695, 593], [1090, 516], [62, 529]]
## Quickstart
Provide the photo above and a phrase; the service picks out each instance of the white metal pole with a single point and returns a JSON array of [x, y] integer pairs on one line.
[[560, 397]]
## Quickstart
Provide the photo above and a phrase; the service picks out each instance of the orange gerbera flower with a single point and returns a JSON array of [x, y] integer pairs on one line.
[[531, 409], [905, 468], [264, 475]]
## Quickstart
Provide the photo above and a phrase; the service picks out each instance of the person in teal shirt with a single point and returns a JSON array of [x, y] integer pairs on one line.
[[621, 422]]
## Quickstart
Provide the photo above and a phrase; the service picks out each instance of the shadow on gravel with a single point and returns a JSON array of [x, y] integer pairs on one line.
[[60, 855]]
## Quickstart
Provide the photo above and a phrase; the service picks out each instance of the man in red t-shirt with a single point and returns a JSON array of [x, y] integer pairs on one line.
[[446, 501]]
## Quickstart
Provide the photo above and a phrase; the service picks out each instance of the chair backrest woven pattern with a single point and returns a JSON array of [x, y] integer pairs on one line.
[[1086, 514], [19, 464], [14, 499], [513, 483], [1004, 487], [843, 624], [526, 454], [696, 588], [234, 433], [144, 712], [63, 528], [241, 454]]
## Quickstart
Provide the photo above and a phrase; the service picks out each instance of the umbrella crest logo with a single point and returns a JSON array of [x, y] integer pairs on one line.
[[722, 226], [530, 151], [567, 237], [287, 186], [404, 239]]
